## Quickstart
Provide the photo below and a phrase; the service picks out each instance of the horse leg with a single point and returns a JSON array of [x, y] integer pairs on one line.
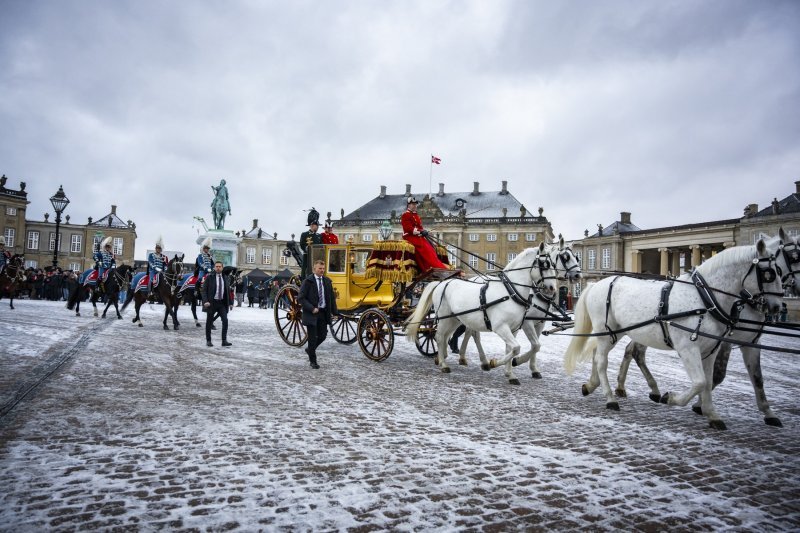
[[512, 350], [700, 373], [636, 352], [600, 371], [532, 330], [174, 311], [166, 314], [752, 360], [462, 350], [105, 310], [594, 378], [720, 369], [444, 330]]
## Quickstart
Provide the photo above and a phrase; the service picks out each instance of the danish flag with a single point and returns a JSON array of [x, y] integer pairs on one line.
[[435, 160]]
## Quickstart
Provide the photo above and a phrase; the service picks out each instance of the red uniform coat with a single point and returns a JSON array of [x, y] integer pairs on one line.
[[329, 238], [424, 253]]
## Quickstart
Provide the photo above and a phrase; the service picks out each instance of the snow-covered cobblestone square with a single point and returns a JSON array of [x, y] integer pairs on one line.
[[139, 428]]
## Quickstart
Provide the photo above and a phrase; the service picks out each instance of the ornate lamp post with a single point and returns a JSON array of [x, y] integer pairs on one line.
[[385, 230], [59, 201]]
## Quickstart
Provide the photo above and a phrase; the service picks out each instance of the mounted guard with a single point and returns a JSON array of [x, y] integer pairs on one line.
[[5, 255], [204, 264], [103, 261], [156, 262]]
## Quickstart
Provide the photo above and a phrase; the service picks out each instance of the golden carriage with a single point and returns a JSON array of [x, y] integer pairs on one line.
[[375, 285]]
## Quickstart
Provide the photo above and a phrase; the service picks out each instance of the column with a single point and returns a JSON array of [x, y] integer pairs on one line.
[[696, 256], [664, 261], [636, 261], [675, 268]]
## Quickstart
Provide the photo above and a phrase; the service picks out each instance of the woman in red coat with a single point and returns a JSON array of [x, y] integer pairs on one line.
[[413, 232]]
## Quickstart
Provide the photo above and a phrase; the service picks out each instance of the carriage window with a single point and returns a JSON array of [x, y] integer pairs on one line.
[[337, 261], [491, 258], [33, 240], [75, 243], [9, 234], [358, 260]]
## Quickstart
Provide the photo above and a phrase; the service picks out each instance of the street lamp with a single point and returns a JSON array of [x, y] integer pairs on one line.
[[59, 201]]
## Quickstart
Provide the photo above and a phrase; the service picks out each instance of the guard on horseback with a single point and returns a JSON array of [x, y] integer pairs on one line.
[[413, 232], [204, 264], [5, 255], [156, 262], [310, 237], [103, 260]]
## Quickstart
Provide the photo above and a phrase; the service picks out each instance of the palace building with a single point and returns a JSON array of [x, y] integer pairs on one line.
[[493, 226]]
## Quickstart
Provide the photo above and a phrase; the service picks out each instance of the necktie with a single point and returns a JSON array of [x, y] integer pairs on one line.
[[321, 293], [220, 286]]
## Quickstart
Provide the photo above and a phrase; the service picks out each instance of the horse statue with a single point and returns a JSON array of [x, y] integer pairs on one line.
[[166, 288], [788, 264], [690, 315], [12, 278], [542, 309], [117, 280], [220, 205], [497, 304]]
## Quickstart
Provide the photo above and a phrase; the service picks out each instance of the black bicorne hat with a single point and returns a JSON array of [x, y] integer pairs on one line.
[[313, 217]]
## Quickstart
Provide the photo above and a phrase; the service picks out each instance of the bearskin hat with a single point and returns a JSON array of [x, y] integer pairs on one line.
[[313, 217]]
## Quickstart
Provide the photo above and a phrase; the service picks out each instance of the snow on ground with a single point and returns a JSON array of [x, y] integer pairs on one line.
[[149, 429]]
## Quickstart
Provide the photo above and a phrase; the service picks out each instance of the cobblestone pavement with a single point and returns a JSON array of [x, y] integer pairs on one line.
[[128, 428]]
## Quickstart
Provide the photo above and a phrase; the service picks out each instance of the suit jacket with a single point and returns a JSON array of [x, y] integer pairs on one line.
[[309, 299], [210, 289]]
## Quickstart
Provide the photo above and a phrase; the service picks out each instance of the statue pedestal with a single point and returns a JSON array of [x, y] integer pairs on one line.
[[224, 245]]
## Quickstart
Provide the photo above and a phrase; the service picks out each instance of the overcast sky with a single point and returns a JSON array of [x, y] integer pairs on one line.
[[678, 111]]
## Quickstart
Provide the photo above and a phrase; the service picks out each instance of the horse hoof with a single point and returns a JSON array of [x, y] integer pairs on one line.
[[655, 397], [166, 328], [446, 369], [514, 361], [198, 324], [141, 325], [584, 390], [77, 314], [665, 398], [620, 393], [462, 363], [717, 424], [773, 421], [536, 375], [486, 366], [436, 361], [697, 409], [614, 406], [119, 317], [175, 327]]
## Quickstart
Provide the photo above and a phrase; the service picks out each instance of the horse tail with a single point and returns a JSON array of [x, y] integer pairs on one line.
[[128, 298], [580, 349], [424, 304]]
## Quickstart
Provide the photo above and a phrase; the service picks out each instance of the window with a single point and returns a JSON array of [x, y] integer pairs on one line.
[[11, 211], [491, 237], [606, 261], [9, 234], [793, 232], [75, 266], [576, 291], [367, 237], [266, 256], [116, 248], [513, 237], [578, 255], [491, 258], [31, 263], [473, 261], [283, 261], [250, 255], [75, 243], [33, 240], [337, 260], [511, 256], [53, 242], [473, 237], [451, 254], [530, 237], [592, 259]]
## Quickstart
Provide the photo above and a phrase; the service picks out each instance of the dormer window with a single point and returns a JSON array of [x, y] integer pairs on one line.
[[460, 203]]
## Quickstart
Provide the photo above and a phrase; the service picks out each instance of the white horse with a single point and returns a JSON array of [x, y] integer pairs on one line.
[[616, 303], [501, 309], [788, 263], [541, 310]]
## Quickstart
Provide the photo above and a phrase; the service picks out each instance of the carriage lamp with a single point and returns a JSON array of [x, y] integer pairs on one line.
[[59, 201], [385, 230]]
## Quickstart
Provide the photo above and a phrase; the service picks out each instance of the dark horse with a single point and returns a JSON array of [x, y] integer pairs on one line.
[[193, 296], [117, 281], [12, 278], [167, 290]]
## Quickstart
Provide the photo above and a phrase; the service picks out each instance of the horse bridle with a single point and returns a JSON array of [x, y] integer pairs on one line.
[[764, 274], [791, 254], [15, 263], [564, 255]]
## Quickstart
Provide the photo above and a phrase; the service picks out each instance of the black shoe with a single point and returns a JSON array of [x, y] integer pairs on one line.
[[314, 366], [453, 345], [208, 343], [226, 343]]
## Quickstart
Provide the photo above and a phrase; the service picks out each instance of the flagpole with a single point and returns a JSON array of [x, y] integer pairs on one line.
[[430, 180]]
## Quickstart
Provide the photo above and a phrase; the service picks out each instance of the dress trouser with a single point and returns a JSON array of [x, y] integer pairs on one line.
[[316, 334], [217, 306]]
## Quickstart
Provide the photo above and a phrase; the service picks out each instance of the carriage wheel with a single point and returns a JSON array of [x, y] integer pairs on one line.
[[344, 330], [375, 335], [426, 336], [288, 316]]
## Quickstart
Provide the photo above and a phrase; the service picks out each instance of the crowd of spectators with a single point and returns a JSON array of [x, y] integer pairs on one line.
[[50, 284]]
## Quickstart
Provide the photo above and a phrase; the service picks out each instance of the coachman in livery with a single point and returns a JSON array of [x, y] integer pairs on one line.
[[103, 262], [309, 238], [413, 232], [204, 264]]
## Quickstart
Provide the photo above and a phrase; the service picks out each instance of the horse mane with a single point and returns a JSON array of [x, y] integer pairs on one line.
[[729, 256]]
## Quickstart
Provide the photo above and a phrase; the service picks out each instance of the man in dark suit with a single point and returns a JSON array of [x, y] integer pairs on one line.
[[319, 308], [217, 299]]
